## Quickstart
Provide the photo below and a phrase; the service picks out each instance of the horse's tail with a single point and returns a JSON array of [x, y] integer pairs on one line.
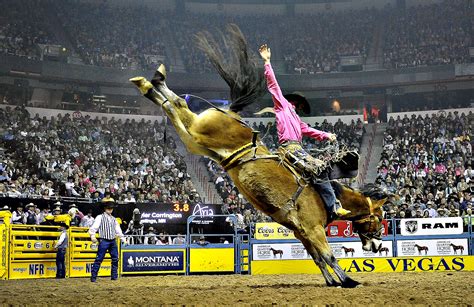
[[239, 70]]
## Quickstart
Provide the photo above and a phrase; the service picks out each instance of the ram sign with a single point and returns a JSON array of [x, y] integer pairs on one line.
[[431, 227]]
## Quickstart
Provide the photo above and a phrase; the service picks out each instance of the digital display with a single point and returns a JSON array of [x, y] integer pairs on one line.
[[175, 213]]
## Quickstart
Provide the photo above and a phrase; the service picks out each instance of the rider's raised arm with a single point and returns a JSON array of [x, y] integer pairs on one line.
[[313, 133], [279, 101]]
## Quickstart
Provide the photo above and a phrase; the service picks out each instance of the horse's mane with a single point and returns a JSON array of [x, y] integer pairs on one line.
[[374, 191], [239, 69], [369, 190]]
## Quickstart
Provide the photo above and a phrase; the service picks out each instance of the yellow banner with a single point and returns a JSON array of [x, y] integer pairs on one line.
[[367, 265], [272, 231], [84, 268], [32, 269], [211, 260], [3, 251]]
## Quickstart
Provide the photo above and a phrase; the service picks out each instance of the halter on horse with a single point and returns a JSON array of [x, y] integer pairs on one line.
[[270, 187]]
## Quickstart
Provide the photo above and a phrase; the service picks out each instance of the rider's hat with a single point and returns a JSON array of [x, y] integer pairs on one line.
[[298, 99]]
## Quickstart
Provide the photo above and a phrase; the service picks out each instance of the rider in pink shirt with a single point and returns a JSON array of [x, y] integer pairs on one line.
[[290, 133]]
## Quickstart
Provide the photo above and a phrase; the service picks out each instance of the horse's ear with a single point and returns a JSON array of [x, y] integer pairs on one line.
[[379, 203]]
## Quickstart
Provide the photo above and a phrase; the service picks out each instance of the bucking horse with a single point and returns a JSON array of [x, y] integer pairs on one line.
[[259, 175]]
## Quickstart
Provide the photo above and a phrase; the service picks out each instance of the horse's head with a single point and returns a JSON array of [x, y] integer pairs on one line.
[[366, 213], [369, 225]]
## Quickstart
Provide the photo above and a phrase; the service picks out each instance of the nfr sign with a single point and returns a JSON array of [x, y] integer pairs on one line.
[[36, 269]]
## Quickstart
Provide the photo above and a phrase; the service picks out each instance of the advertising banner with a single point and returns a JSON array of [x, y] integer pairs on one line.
[[272, 231], [354, 250], [32, 269], [438, 247], [366, 265], [343, 229], [84, 268], [175, 213], [153, 261], [295, 251], [431, 226], [208, 259], [3, 251]]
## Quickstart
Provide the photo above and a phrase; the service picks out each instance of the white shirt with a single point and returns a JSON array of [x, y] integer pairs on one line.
[[87, 221], [18, 218], [62, 237], [98, 220]]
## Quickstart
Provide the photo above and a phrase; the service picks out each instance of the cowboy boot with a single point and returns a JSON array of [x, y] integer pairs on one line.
[[341, 212]]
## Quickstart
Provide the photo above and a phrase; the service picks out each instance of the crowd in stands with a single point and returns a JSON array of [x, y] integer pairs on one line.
[[131, 161], [427, 161], [438, 34], [138, 37], [127, 37], [315, 43], [24, 27]]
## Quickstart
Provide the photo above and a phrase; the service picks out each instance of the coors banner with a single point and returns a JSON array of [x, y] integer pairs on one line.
[[431, 226]]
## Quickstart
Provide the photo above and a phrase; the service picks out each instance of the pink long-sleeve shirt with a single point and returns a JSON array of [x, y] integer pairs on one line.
[[289, 125]]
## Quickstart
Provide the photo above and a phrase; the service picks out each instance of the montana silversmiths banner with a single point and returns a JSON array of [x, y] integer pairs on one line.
[[146, 261], [439, 247], [431, 226], [272, 231], [295, 251]]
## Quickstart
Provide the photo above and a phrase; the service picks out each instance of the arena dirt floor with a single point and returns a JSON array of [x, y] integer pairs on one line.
[[379, 288]]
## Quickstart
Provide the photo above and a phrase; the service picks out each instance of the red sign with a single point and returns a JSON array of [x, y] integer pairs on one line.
[[343, 229], [77, 115]]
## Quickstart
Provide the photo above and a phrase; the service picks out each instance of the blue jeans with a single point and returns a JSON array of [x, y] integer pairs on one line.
[[104, 247], [60, 266], [326, 192]]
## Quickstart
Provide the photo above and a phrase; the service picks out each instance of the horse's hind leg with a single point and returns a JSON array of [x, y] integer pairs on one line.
[[330, 281], [320, 243]]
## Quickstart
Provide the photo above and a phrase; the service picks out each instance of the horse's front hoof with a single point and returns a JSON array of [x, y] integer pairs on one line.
[[160, 75], [350, 283], [143, 84], [334, 284]]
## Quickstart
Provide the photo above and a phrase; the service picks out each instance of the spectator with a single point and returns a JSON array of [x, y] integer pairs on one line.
[[31, 218], [150, 237], [179, 239], [18, 216], [87, 220], [424, 159]]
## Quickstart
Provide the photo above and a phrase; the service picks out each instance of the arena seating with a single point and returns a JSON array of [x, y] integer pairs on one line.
[[427, 161], [89, 158], [134, 37], [428, 35], [23, 28]]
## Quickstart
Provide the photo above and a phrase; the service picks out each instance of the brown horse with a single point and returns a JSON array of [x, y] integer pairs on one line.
[[456, 248], [257, 173], [422, 248], [348, 250], [384, 249], [276, 252]]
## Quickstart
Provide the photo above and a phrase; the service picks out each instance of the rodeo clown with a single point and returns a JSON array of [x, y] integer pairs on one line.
[[291, 130], [108, 228]]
